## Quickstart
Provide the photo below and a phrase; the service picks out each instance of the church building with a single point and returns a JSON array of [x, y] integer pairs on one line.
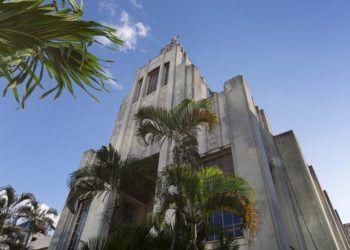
[[295, 212]]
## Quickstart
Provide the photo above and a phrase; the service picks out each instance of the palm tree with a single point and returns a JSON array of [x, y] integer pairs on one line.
[[225, 243], [108, 174], [10, 202], [38, 38], [197, 194], [147, 234], [179, 127], [37, 218], [10, 205]]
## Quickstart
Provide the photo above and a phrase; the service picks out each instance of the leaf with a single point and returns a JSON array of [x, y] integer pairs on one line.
[[37, 35]]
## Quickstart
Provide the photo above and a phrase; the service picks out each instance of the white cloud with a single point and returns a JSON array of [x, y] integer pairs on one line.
[[112, 81], [128, 31], [136, 4], [107, 6], [142, 30]]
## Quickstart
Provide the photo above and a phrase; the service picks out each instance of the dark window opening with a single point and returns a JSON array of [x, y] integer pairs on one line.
[[137, 203], [152, 80], [166, 73], [137, 91], [84, 206]]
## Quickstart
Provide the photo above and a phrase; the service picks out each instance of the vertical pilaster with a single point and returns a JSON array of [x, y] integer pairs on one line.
[[311, 213], [250, 162]]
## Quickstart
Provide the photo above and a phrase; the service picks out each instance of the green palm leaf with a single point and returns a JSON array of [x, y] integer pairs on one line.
[[197, 194], [179, 125], [109, 173], [37, 38]]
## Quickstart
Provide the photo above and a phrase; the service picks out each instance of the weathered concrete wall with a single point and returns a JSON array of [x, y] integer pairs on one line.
[[65, 225], [284, 195], [311, 210], [250, 162], [184, 81], [293, 210], [329, 211]]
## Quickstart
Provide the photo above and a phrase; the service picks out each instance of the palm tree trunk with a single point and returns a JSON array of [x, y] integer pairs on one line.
[[193, 245], [1, 229], [176, 152], [176, 231]]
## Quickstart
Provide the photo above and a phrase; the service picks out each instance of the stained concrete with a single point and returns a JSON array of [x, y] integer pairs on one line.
[[293, 209]]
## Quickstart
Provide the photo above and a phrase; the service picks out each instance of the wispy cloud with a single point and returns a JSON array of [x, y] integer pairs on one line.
[[107, 6], [136, 4], [128, 31], [112, 81]]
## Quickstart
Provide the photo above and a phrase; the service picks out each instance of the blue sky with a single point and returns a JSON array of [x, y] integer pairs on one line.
[[294, 54]]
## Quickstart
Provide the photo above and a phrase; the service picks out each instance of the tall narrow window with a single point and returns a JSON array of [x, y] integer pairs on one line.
[[166, 73], [152, 80], [137, 91], [84, 206]]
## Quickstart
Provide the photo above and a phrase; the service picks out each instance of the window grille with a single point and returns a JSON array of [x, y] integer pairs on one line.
[[166, 73], [84, 206], [152, 81], [230, 224]]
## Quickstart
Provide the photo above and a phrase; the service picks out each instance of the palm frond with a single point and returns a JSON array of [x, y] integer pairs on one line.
[[10, 194], [108, 173], [52, 211], [179, 125], [38, 38], [155, 124], [93, 244], [201, 193], [85, 189]]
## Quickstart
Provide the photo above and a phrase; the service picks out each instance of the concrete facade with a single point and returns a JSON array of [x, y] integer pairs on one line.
[[347, 228], [295, 212]]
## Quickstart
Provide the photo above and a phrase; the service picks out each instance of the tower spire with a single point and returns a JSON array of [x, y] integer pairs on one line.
[[175, 38]]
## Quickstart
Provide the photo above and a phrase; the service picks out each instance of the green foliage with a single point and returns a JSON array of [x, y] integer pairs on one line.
[[39, 219], [93, 244], [192, 192], [197, 194], [24, 208], [179, 125], [37, 38], [155, 234], [108, 173], [146, 235], [10, 203]]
